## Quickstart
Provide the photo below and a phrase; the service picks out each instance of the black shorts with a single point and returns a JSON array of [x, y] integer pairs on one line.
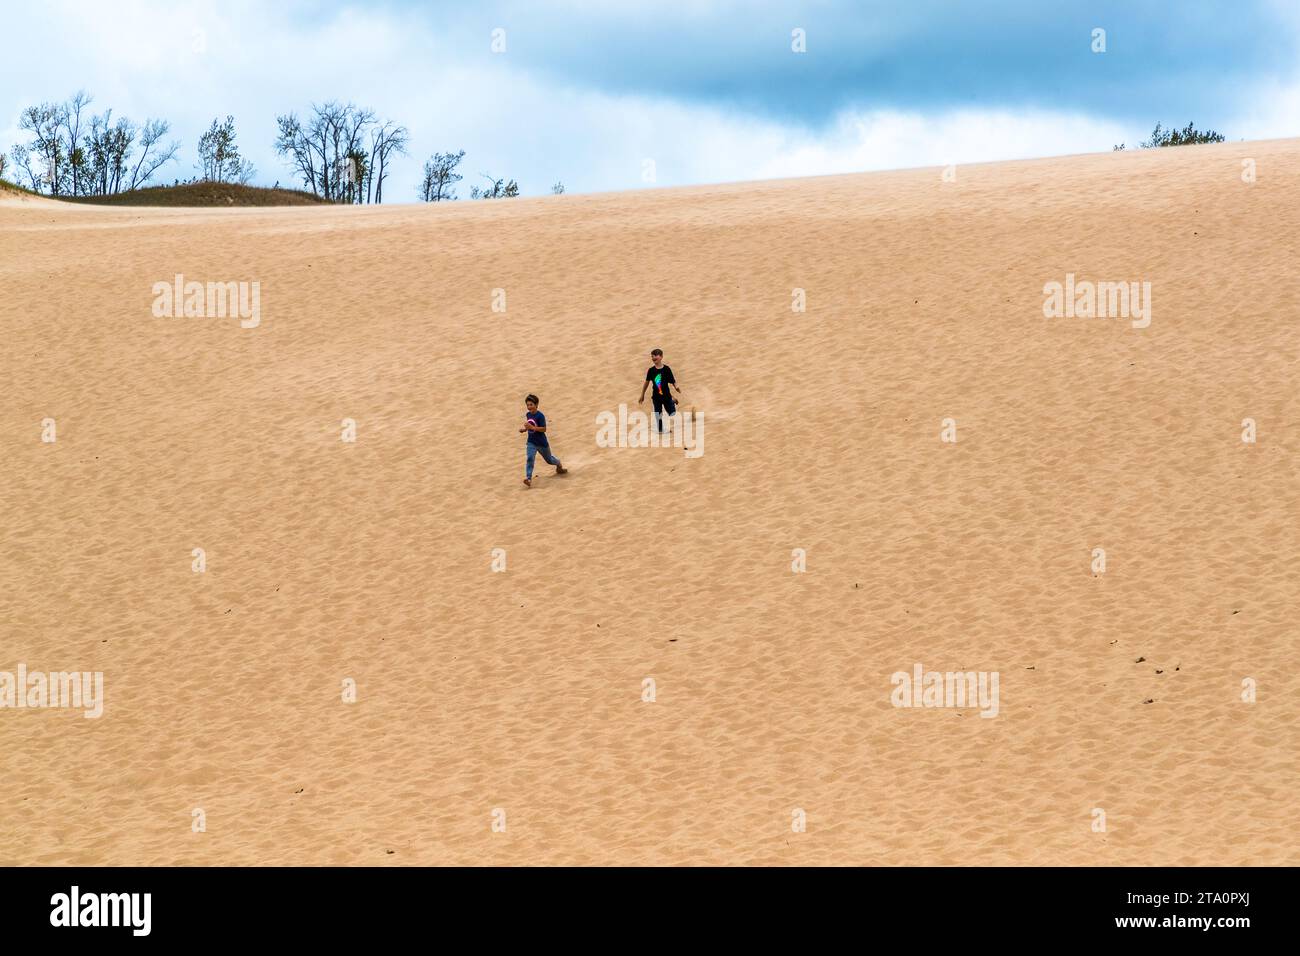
[[663, 403]]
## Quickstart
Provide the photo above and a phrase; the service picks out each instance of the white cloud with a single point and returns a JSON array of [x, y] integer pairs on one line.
[[189, 62], [891, 140]]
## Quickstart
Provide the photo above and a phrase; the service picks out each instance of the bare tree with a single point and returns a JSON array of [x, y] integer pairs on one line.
[[293, 144], [385, 140], [77, 164], [330, 147], [47, 146], [64, 157], [355, 176], [105, 145], [349, 134], [151, 134], [23, 163], [440, 177]]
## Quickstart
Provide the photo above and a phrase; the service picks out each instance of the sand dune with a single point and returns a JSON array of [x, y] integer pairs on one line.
[[522, 691]]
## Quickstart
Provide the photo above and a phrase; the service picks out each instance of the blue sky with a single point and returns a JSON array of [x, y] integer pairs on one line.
[[586, 93]]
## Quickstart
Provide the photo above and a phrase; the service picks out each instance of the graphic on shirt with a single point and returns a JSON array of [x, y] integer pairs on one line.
[[536, 438], [661, 377]]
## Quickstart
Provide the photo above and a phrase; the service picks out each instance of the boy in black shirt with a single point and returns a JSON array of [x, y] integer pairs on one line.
[[535, 425], [661, 376]]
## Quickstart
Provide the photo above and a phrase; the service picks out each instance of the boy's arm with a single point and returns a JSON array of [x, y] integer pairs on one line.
[[644, 386]]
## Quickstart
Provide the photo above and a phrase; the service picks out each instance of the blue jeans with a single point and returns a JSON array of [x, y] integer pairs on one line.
[[546, 456]]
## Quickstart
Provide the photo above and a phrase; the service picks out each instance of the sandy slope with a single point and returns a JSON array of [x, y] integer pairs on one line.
[[522, 690]]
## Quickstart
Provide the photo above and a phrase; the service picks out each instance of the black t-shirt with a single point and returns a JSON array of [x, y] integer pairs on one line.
[[660, 378]]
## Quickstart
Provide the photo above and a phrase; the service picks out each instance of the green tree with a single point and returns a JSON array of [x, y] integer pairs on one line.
[[1186, 136], [500, 189], [440, 177], [219, 158]]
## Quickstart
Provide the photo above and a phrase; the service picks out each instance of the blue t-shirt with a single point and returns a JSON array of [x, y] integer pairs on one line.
[[537, 438]]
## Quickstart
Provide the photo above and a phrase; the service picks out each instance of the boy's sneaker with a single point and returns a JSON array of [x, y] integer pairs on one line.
[[561, 470], [528, 482]]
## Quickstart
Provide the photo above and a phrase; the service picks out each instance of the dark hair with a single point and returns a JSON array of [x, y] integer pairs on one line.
[[656, 351], [531, 398]]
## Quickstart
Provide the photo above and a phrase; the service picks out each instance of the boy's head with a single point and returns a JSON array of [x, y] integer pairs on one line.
[[531, 402], [657, 356]]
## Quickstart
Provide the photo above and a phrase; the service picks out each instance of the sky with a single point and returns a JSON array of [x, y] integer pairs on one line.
[[632, 94]]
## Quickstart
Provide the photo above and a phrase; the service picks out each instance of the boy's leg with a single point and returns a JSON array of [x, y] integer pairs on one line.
[[552, 460], [662, 404], [532, 453]]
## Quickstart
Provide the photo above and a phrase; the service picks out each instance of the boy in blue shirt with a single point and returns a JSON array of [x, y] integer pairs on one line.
[[535, 425]]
